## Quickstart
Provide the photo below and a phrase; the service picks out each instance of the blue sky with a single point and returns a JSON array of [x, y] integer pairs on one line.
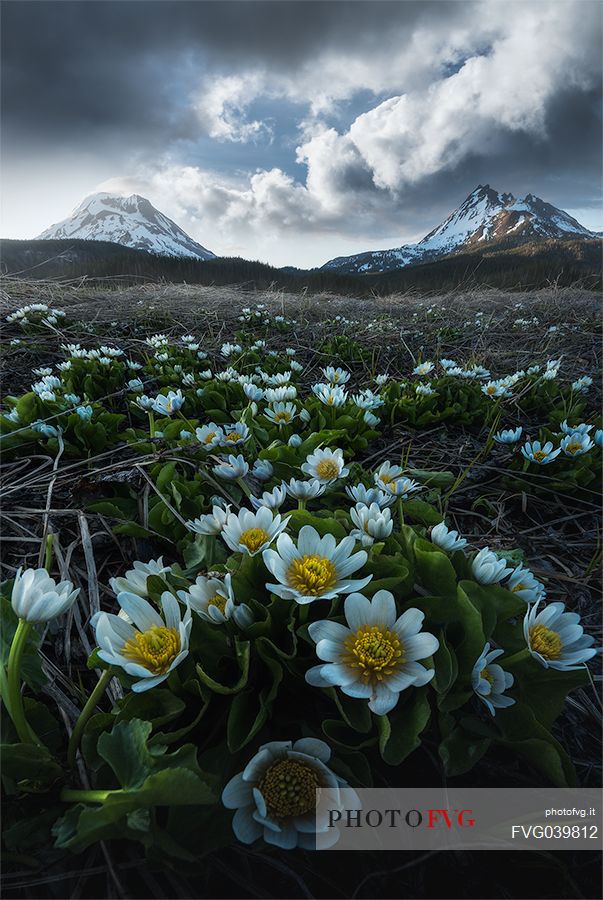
[[293, 132]]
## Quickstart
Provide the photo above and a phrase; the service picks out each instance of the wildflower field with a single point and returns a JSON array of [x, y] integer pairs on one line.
[[257, 544]]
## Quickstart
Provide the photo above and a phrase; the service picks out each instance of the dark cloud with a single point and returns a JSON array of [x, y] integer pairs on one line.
[[87, 66]]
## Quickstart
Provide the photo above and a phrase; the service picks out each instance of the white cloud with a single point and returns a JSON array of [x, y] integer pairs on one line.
[[457, 91]]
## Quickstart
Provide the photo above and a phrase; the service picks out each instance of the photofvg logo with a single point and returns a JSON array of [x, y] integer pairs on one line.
[[455, 819], [394, 818]]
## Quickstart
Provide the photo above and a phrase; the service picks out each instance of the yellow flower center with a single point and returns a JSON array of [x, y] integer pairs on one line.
[[327, 469], [289, 788], [573, 448], [155, 649], [491, 389], [312, 575], [546, 642], [375, 650], [209, 437], [254, 538], [386, 479], [539, 455], [330, 400], [518, 587], [282, 416], [486, 674], [218, 601], [233, 436]]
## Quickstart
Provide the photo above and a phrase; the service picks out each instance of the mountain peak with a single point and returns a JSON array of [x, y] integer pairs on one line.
[[132, 221], [484, 218]]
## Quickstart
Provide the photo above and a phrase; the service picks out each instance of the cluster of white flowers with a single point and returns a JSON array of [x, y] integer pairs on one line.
[[36, 314]]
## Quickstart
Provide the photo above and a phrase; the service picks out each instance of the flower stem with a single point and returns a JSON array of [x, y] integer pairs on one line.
[[401, 511], [151, 423], [68, 795], [49, 549], [15, 700], [99, 690], [244, 487], [301, 504]]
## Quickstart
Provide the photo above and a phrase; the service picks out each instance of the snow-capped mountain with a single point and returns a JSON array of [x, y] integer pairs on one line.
[[485, 218], [132, 221]]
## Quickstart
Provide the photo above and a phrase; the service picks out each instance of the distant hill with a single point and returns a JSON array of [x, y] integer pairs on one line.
[[485, 220], [529, 266], [132, 221]]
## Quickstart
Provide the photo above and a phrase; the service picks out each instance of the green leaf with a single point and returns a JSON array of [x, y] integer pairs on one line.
[[445, 664], [460, 751], [420, 511], [29, 763], [434, 569], [148, 777], [524, 734], [242, 656], [544, 691], [399, 731]]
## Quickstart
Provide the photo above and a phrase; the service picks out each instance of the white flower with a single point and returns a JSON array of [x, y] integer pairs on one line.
[[166, 404], [446, 539], [361, 494], [305, 490], [279, 379], [599, 437], [295, 440], [423, 368], [508, 436], [149, 646], [495, 389], [236, 434], [273, 499], [403, 488], [232, 467], [136, 385], [252, 392], [582, 428], [145, 403], [372, 523], [539, 454], [576, 444], [275, 395], [325, 465], [209, 435], [212, 523], [36, 597], [135, 580], [336, 376], [213, 600], [376, 656], [330, 396], [281, 413], [490, 681], [371, 419], [250, 532], [556, 639], [367, 400], [380, 380], [387, 474], [262, 469], [582, 384], [275, 796], [448, 364], [487, 568], [424, 390], [317, 568], [523, 583]]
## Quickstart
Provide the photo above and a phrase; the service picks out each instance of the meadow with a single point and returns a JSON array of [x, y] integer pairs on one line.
[[258, 543]]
